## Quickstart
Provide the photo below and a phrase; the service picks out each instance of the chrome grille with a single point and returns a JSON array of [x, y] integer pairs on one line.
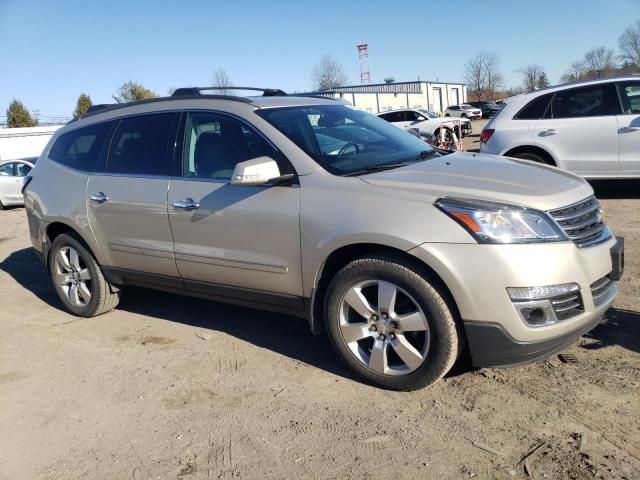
[[582, 222], [568, 305], [600, 290]]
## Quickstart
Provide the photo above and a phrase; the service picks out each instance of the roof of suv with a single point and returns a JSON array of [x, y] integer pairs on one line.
[[269, 101], [583, 83]]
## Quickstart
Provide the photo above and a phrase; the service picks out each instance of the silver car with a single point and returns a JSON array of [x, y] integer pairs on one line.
[[406, 257], [12, 174]]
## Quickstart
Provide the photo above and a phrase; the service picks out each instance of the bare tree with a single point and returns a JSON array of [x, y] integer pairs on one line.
[[596, 63], [533, 76], [483, 76], [599, 62], [629, 45], [328, 74], [221, 80]]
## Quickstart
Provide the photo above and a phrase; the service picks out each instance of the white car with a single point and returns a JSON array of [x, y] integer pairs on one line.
[[12, 173], [465, 111], [428, 123], [591, 128]]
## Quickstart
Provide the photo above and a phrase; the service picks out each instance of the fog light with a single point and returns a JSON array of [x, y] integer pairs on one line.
[[535, 316], [534, 304]]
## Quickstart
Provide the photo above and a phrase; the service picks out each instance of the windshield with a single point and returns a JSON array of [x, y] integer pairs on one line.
[[429, 113], [346, 141]]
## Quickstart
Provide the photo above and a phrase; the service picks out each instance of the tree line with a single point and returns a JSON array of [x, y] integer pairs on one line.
[[485, 81]]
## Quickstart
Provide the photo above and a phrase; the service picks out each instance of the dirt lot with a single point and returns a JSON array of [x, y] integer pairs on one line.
[[174, 387]]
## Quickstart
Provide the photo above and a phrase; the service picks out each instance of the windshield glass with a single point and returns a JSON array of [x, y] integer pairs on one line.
[[346, 141], [429, 113]]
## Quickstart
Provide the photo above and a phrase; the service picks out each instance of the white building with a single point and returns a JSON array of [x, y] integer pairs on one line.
[[24, 142], [380, 97]]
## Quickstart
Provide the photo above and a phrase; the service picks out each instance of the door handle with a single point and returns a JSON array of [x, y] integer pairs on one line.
[[187, 204], [548, 132], [99, 197]]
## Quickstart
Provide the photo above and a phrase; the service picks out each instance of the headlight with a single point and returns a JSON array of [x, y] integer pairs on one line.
[[491, 222]]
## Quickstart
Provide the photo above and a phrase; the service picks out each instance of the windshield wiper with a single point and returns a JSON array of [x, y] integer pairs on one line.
[[376, 168], [389, 166]]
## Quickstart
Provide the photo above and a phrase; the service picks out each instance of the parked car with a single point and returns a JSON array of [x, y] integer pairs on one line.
[[12, 174], [465, 111], [590, 128], [489, 109], [404, 256], [428, 123]]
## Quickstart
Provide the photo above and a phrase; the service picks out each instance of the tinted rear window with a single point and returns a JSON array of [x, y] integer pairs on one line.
[[592, 101], [535, 109], [81, 148], [143, 145]]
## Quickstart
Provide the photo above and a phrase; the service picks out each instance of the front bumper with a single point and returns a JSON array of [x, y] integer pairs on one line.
[[478, 276], [491, 346]]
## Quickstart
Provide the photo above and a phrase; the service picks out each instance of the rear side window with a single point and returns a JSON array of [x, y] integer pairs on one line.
[[535, 109], [143, 145], [592, 101], [81, 148]]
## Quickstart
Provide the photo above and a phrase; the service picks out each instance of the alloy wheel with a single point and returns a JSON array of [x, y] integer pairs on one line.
[[73, 276], [384, 327]]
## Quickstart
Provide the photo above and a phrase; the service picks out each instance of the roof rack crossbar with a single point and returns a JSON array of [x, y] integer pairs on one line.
[[266, 92]]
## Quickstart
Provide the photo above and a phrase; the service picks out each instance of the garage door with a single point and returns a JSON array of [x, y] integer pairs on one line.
[[437, 100]]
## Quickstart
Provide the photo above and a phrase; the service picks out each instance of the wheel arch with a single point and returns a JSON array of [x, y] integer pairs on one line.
[[341, 256], [532, 149], [56, 228]]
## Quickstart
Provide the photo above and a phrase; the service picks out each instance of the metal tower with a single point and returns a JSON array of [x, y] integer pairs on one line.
[[363, 55]]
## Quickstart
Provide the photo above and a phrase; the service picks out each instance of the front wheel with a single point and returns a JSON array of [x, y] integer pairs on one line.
[[390, 324], [78, 279]]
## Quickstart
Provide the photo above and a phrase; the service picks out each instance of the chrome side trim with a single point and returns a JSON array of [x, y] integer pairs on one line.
[[225, 262], [141, 251]]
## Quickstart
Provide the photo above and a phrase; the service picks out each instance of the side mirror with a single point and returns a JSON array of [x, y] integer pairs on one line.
[[257, 171]]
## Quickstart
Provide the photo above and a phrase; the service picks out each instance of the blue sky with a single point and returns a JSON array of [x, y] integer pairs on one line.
[[51, 51]]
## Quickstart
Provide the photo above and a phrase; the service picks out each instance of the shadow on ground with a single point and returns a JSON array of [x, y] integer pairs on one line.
[[606, 189], [620, 327], [283, 334]]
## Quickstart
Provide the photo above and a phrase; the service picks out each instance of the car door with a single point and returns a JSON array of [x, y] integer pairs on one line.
[[10, 184], [127, 201], [629, 130], [580, 130], [232, 240]]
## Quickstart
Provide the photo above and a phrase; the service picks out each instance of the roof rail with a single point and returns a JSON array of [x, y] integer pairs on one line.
[[266, 92]]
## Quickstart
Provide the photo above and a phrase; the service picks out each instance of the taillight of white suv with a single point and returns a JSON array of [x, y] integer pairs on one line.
[[485, 135]]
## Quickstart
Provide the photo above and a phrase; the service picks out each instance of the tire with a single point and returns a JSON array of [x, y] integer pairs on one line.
[[78, 279], [1, 206], [464, 115], [447, 115], [531, 156], [375, 348]]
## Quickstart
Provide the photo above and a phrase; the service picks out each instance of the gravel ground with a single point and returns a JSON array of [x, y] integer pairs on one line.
[[175, 387]]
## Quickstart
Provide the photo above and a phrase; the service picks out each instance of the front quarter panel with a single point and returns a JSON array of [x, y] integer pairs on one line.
[[339, 211]]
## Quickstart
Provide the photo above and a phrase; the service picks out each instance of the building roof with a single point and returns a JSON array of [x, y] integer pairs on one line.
[[414, 86]]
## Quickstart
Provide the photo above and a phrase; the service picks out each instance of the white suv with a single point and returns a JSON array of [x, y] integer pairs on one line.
[[591, 128], [428, 123], [465, 111]]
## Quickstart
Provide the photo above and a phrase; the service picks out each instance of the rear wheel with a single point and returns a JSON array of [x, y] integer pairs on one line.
[[390, 324], [533, 156], [78, 280], [1, 206]]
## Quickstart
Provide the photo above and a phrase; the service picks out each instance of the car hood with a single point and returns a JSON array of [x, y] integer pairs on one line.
[[448, 119], [486, 177]]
